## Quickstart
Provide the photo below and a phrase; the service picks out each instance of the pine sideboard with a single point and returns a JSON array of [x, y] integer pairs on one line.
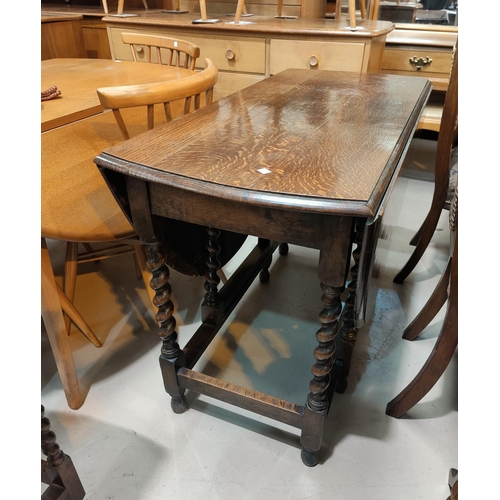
[[248, 53]]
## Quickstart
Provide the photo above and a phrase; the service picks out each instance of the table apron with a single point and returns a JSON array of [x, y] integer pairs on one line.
[[294, 227]]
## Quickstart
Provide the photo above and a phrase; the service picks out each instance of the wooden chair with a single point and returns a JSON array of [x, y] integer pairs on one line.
[[438, 360], [170, 51], [75, 211], [194, 91], [77, 221], [184, 96], [446, 139]]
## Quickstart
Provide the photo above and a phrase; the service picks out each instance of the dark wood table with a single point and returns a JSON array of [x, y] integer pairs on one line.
[[305, 157]]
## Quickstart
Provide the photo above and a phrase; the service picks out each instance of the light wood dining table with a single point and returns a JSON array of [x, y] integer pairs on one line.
[[76, 205]]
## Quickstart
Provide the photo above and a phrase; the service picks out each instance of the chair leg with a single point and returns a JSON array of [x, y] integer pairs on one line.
[[439, 357], [239, 10], [67, 295], [427, 233], [352, 13], [203, 9], [280, 8], [70, 310], [338, 10], [418, 234], [432, 307], [429, 374], [362, 8], [70, 272], [56, 332]]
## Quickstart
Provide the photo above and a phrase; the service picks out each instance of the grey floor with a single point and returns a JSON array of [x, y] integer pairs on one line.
[[127, 444]]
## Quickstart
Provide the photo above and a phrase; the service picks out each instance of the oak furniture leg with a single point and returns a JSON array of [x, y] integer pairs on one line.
[[71, 312], [70, 271], [334, 256], [58, 471], [56, 332], [171, 355]]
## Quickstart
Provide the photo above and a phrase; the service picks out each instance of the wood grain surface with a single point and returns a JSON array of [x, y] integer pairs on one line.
[[302, 139], [78, 79]]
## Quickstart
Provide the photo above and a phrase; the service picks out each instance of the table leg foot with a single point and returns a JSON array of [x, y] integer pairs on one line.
[[264, 276], [264, 273], [283, 249], [179, 404], [309, 458]]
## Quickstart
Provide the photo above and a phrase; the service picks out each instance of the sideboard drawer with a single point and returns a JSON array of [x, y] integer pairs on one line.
[[315, 55], [397, 61], [229, 83], [238, 54]]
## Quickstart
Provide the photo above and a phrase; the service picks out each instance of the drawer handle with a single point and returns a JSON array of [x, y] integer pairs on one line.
[[139, 48], [313, 61], [419, 62], [230, 55]]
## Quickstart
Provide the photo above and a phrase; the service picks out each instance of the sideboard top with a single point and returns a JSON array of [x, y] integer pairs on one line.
[[260, 25]]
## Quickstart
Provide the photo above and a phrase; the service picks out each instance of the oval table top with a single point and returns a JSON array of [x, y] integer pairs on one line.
[[78, 79], [76, 204]]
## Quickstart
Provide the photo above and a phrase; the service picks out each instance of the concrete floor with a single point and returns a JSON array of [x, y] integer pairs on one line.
[[127, 444]]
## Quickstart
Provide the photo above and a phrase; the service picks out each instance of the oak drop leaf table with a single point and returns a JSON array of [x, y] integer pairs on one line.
[[304, 157]]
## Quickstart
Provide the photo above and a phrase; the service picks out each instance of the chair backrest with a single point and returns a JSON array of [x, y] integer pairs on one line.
[[169, 51], [192, 92], [448, 132]]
